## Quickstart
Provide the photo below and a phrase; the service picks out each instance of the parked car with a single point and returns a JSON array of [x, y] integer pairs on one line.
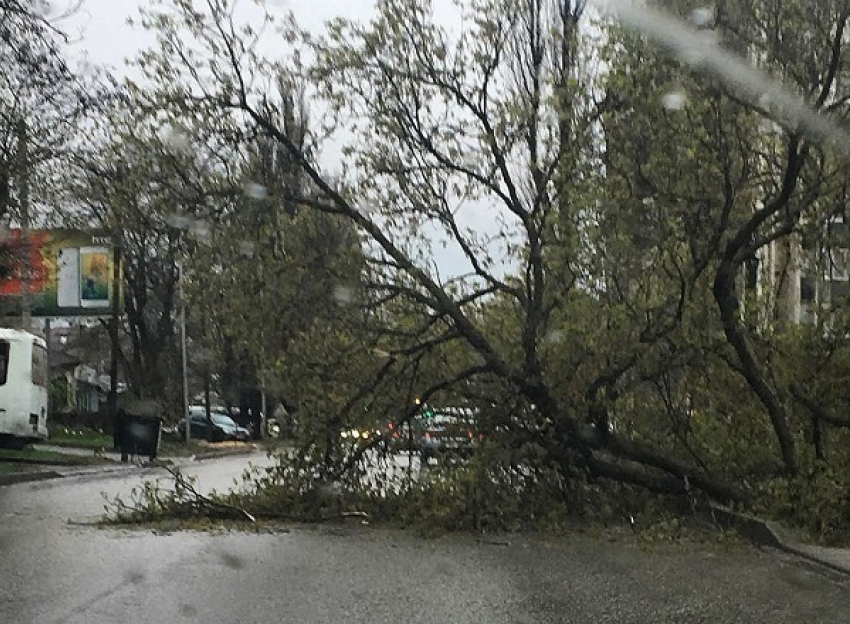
[[448, 431], [219, 428], [403, 438]]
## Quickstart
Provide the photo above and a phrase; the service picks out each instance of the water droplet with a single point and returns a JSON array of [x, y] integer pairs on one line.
[[692, 56], [178, 221], [232, 561], [42, 8], [246, 248], [344, 295], [179, 139], [703, 16], [674, 100], [554, 337], [201, 230], [768, 126], [255, 190]]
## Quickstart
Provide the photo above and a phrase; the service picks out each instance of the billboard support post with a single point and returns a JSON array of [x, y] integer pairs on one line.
[[112, 397]]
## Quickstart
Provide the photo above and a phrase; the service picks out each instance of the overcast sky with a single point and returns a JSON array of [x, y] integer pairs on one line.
[[100, 30], [100, 34]]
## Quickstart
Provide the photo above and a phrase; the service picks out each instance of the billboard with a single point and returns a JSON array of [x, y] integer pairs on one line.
[[71, 273]]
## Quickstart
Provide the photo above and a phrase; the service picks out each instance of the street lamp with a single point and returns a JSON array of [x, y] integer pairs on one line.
[[181, 224]]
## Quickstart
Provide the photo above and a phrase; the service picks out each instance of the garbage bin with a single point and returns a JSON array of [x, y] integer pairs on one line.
[[139, 434]]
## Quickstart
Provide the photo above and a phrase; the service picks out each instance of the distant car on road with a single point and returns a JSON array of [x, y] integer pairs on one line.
[[219, 428], [448, 432], [400, 437]]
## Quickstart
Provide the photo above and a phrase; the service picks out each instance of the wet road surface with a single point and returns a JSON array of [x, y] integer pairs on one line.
[[58, 572]]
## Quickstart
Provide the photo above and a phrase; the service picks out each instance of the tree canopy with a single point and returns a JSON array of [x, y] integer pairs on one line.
[[661, 190]]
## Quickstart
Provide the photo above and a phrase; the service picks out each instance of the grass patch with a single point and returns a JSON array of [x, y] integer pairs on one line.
[[81, 438], [36, 456], [175, 448], [16, 468], [97, 440], [275, 445]]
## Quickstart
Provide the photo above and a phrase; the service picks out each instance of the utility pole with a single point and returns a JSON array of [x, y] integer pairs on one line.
[[24, 191], [207, 389], [183, 352]]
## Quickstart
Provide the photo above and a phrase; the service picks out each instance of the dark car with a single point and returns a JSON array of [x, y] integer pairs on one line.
[[219, 428]]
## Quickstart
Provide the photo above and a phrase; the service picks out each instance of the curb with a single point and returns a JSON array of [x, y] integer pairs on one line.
[[75, 471], [54, 462], [27, 477], [765, 534], [111, 467], [225, 453]]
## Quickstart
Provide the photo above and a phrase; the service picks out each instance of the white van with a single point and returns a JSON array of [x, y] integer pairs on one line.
[[23, 388]]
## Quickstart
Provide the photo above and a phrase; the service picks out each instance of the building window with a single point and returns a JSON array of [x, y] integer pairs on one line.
[[838, 291], [39, 365], [839, 234], [807, 290], [4, 361], [752, 272]]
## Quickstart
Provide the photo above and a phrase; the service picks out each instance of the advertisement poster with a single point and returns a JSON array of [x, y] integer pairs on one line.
[[71, 273]]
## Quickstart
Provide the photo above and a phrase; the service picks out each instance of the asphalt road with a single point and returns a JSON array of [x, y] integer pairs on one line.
[[53, 571]]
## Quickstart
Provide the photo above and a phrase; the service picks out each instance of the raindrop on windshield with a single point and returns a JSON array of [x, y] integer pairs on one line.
[[179, 221], [255, 190], [202, 230], [179, 139], [554, 337], [768, 126], [767, 100], [246, 248], [674, 100], [703, 16], [344, 295], [232, 561], [42, 8]]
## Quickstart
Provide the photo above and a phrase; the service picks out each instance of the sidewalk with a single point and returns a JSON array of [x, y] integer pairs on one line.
[[40, 470], [773, 535], [221, 450]]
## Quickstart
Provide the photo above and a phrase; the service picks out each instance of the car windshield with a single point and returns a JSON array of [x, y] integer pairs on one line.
[[223, 420], [590, 260]]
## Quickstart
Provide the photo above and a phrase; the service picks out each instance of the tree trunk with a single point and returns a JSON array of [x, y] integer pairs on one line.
[[751, 367]]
